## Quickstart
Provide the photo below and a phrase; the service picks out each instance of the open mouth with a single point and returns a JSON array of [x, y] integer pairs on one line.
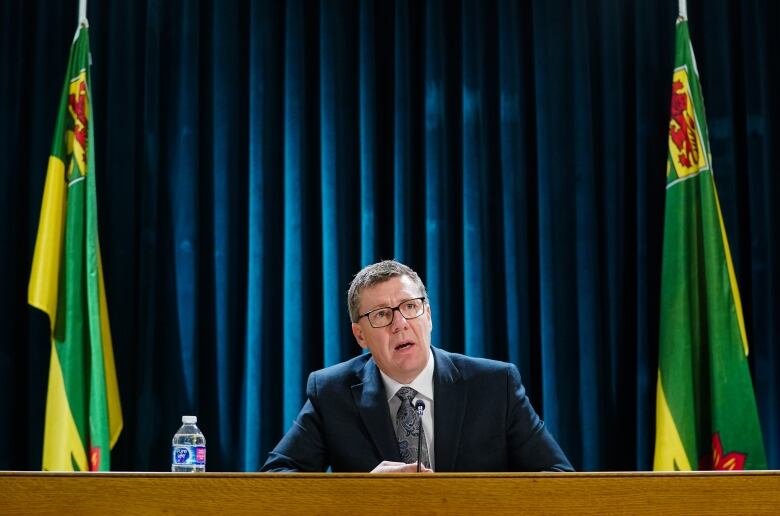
[[404, 345]]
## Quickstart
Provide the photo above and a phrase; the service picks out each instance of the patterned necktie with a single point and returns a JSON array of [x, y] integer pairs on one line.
[[406, 429]]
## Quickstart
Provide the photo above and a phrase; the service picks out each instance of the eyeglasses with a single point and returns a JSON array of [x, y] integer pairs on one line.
[[381, 317]]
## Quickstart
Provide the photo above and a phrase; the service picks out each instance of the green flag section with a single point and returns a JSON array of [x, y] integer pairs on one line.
[[706, 416], [83, 412]]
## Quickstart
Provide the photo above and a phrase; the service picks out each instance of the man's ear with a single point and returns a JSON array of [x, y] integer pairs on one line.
[[357, 331]]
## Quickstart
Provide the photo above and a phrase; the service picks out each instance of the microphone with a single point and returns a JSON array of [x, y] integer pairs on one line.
[[420, 406]]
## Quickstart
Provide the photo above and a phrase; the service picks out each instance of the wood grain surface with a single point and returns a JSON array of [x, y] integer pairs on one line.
[[488, 493]]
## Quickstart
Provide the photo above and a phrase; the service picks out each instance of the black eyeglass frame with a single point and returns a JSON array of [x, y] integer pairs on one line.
[[393, 310]]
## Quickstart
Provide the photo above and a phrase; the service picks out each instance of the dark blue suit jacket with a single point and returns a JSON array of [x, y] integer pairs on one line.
[[483, 421]]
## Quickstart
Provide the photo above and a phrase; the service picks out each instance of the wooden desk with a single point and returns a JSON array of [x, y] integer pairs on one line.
[[487, 493]]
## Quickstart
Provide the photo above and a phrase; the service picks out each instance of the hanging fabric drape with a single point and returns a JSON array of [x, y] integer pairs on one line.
[[255, 154]]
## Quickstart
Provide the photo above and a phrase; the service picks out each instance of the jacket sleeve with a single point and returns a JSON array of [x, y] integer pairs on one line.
[[302, 448], [530, 446]]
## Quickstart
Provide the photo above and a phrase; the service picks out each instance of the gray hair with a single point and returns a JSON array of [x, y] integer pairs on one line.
[[374, 274]]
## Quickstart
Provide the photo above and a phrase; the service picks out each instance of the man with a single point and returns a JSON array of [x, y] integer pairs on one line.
[[362, 414]]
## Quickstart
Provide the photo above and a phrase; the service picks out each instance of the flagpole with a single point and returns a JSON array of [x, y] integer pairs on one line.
[[683, 8], [83, 13]]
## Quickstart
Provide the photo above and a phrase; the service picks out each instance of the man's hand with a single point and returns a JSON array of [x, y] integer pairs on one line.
[[387, 466]]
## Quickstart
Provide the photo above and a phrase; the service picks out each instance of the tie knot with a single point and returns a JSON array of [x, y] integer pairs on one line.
[[406, 393]]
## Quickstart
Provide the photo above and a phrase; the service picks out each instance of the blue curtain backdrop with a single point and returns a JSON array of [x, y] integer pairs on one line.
[[252, 156]]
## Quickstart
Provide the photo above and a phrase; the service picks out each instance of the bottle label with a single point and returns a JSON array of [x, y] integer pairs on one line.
[[189, 455]]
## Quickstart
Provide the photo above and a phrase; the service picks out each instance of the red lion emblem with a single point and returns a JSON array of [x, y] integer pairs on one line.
[[684, 134], [77, 102]]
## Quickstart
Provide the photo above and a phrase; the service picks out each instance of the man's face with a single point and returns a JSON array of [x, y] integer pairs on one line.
[[401, 349]]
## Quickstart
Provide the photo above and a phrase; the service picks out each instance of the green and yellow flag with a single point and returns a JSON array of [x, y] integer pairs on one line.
[[706, 416], [83, 413]]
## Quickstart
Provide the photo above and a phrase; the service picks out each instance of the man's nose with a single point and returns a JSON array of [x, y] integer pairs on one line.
[[399, 321]]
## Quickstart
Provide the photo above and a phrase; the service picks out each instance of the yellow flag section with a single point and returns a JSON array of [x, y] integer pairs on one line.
[[672, 457], [83, 410]]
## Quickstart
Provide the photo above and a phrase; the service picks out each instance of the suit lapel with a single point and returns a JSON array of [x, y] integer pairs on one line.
[[371, 401], [450, 406]]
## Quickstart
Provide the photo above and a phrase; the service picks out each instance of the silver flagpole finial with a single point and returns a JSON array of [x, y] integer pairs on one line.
[[683, 8], [83, 12]]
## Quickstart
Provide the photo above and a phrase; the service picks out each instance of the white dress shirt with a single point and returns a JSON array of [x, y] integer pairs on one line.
[[423, 384]]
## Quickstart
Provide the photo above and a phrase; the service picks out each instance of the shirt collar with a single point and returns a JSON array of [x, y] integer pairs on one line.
[[423, 384]]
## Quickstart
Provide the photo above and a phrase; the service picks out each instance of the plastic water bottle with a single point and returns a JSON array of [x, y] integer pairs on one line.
[[189, 447]]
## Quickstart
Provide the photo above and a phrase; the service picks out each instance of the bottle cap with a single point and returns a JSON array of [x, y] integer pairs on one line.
[[189, 420]]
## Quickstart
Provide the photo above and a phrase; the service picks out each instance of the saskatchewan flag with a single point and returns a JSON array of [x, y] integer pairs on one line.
[[83, 413], [706, 416]]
